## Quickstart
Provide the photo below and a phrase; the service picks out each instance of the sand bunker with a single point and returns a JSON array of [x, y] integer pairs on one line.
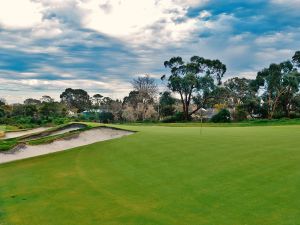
[[57, 131], [84, 138], [15, 134]]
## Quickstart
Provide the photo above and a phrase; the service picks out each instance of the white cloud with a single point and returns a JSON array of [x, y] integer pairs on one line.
[[273, 55], [133, 21], [19, 13], [141, 22], [291, 3], [47, 29], [35, 88]]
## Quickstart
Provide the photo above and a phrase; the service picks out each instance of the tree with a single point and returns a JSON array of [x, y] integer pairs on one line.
[[278, 80], [222, 117], [194, 80], [141, 99], [47, 99], [140, 102], [106, 117], [240, 89], [252, 106], [145, 86], [132, 99], [2, 102], [30, 110], [32, 101], [97, 98], [54, 109], [166, 104], [76, 98], [296, 59], [112, 106]]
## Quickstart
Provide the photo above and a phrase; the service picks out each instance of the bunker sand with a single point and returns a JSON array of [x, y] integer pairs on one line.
[[15, 134], [83, 138]]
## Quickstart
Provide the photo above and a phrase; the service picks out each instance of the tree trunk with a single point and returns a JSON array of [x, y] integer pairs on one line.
[[186, 113]]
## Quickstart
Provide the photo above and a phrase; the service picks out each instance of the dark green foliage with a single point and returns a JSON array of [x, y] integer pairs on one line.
[[166, 104], [280, 83], [240, 114], [222, 117], [296, 59], [193, 80], [2, 113], [76, 98], [8, 144], [32, 101], [2, 101], [177, 117], [106, 117]]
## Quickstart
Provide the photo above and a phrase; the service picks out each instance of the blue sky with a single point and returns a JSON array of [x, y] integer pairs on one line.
[[101, 45]]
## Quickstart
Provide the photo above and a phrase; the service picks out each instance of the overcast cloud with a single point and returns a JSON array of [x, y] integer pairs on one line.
[[100, 45]]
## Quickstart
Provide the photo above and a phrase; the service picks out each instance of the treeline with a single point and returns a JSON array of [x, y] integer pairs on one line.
[[193, 90]]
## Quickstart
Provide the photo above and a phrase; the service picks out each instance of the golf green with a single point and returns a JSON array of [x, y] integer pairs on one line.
[[161, 175]]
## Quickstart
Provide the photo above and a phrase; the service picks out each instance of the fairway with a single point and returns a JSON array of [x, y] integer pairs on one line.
[[161, 175]]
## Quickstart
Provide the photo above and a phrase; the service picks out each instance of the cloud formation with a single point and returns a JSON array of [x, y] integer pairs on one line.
[[100, 45]]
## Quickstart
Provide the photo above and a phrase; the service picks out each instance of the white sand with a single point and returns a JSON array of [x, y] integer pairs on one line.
[[21, 133], [84, 138], [64, 131]]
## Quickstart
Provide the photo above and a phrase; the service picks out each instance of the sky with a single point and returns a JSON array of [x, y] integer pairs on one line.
[[47, 46]]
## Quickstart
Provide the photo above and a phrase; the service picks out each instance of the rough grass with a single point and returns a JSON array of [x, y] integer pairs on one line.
[[50, 139], [161, 175]]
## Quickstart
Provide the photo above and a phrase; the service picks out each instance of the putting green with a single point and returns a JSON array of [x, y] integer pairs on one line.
[[161, 175]]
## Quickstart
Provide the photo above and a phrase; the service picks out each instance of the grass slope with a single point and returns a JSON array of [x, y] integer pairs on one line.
[[43, 136], [161, 175], [5, 128]]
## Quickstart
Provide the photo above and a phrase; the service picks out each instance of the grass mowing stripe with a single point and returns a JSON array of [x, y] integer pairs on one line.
[[161, 175]]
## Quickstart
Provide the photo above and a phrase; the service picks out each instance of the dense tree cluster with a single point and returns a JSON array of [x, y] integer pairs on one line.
[[191, 88]]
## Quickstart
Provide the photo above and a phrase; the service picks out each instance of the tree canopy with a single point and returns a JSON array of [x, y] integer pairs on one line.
[[193, 80], [76, 98]]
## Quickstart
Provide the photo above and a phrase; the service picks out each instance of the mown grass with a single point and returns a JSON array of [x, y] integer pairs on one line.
[[161, 175], [246, 123]]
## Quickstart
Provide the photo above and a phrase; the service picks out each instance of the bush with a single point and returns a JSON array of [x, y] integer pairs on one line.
[[294, 115], [178, 117], [106, 117], [222, 117], [60, 121], [240, 114]]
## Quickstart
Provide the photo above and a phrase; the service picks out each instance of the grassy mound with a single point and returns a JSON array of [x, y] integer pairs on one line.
[[161, 175], [44, 136], [2, 134]]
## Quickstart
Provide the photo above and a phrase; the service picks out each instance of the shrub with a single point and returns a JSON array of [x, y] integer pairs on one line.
[[222, 117], [294, 115], [173, 119], [240, 114], [106, 117]]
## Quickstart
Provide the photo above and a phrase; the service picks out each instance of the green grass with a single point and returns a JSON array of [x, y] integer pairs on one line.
[[8, 144], [8, 128], [49, 139], [161, 175], [246, 123]]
